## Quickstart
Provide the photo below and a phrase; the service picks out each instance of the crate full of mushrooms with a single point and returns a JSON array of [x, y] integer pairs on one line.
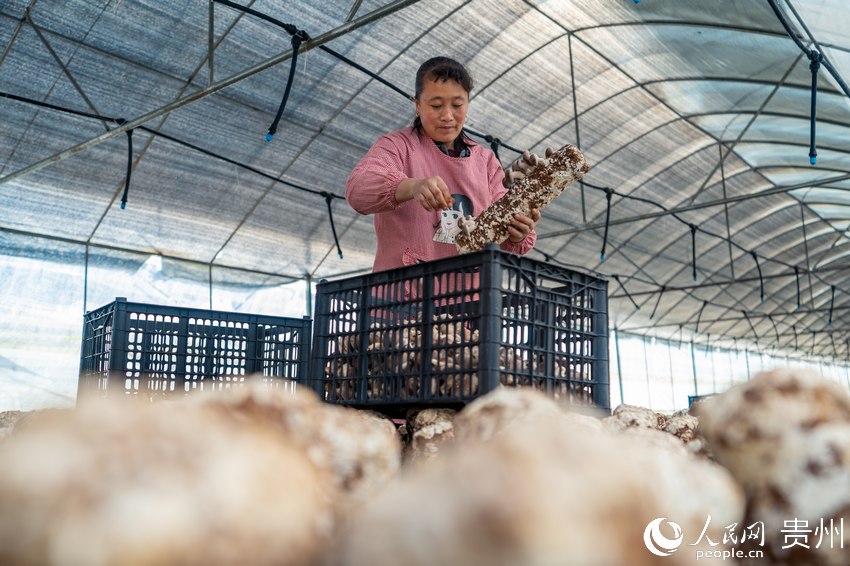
[[445, 332]]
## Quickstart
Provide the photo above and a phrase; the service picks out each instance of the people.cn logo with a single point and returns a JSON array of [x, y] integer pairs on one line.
[[656, 542]]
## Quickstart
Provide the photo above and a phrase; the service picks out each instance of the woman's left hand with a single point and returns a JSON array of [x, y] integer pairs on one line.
[[522, 225]]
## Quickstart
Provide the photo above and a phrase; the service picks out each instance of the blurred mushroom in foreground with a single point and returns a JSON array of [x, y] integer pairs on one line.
[[785, 436], [360, 450], [170, 483], [541, 490]]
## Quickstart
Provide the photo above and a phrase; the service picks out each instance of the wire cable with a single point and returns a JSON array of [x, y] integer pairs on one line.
[[178, 141], [617, 278], [328, 200], [657, 302], [814, 65], [129, 168], [694, 250], [297, 38], [761, 278], [775, 328], [831, 305], [608, 193], [699, 315], [797, 277], [753, 328]]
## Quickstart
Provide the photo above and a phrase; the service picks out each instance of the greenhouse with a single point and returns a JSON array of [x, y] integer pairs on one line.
[[224, 204]]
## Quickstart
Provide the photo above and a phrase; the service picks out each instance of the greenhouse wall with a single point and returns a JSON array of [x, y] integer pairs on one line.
[[47, 286], [663, 374]]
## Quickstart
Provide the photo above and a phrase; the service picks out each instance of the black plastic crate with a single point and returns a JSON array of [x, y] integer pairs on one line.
[[442, 333], [154, 351]]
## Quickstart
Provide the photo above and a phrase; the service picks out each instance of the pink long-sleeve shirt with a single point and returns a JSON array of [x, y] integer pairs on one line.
[[406, 231]]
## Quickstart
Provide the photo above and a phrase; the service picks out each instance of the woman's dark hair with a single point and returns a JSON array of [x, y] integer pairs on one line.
[[440, 69]]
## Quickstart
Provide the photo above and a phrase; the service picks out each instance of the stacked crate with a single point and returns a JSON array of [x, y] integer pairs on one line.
[[155, 351], [442, 333]]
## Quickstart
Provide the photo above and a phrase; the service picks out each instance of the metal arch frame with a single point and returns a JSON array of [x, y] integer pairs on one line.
[[719, 141], [837, 188], [637, 84], [677, 304], [695, 78], [780, 292], [313, 138], [708, 134], [650, 180], [685, 158], [688, 293], [705, 147], [353, 10], [775, 321], [64, 65], [129, 62], [145, 68], [717, 283], [761, 316], [368, 18], [720, 202], [827, 231], [15, 33], [681, 79], [844, 254], [479, 91], [647, 22], [150, 140], [674, 306], [695, 125], [759, 319], [795, 202], [27, 18], [643, 84], [777, 189], [262, 66], [808, 241], [518, 62], [773, 330], [179, 79], [687, 119], [742, 280], [725, 27], [802, 313], [824, 58]]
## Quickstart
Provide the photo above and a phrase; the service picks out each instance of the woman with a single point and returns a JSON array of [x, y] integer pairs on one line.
[[410, 176]]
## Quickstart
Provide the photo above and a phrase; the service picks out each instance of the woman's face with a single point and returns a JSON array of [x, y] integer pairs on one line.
[[442, 107]]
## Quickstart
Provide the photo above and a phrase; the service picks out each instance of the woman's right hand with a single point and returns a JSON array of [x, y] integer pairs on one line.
[[431, 193]]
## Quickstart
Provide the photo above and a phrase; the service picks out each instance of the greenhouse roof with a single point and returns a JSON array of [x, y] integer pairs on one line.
[[695, 117]]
